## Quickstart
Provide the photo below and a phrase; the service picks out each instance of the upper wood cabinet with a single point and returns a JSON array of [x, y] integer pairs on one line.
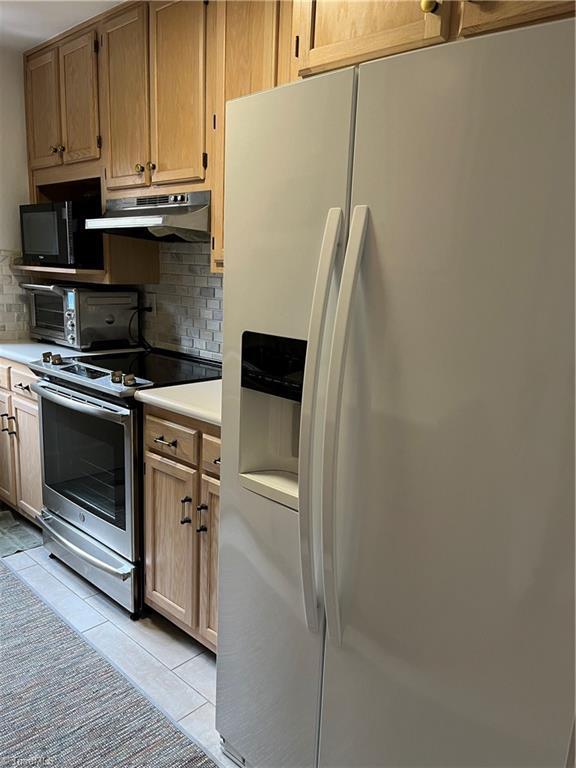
[[125, 99], [62, 103], [43, 109], [79, 99], [489, 15], [337, 33], [154, 94], [178, 91]]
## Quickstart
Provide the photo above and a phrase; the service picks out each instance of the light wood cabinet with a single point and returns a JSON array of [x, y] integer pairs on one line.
[[62, 103], [7, 435], [490, 15], [178, 91], [208, 583], [182, 483], [125, 98], [27, 456], [20, 464], [170, 553], [43, 109], [337, 33], [255, 46]]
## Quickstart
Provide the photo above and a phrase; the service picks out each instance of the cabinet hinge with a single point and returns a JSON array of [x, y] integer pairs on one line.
[[96, 45], [204, 160], [99, 142], [297, 47], [214, 122], [206, 2]]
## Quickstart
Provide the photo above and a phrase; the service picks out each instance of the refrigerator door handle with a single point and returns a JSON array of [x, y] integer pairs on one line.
[[328, 250], [352, 260]]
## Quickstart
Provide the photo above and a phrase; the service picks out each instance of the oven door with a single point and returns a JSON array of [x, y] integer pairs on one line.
[[48, 307], [88, 464]]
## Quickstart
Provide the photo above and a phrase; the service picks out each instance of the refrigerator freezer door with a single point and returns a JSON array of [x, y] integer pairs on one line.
[[287, 164], [454, 483]]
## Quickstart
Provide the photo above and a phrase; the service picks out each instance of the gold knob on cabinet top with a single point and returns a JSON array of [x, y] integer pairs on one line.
[[139, 168], [151, 166], [428, 6]]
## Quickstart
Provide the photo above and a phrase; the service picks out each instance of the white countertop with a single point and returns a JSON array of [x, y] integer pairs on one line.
[[200, 400], [28, 351]]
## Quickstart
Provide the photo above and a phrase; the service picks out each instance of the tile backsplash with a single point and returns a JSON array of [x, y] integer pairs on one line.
[[13, 301], [188, 302]]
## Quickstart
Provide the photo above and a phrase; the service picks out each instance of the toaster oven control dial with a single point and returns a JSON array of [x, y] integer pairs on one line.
[[71, 338], [69, 314]]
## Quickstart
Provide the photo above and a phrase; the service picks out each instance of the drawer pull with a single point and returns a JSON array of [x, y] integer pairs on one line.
[[185, 518], [200, 528], [168, 443], [217, 461], [23, 387]]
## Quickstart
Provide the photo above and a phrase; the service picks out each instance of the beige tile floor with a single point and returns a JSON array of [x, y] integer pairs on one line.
[[171, 669]]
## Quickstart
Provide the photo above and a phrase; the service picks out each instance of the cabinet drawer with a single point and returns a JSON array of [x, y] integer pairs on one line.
[[169, 439], [21, 381], [211, 447]]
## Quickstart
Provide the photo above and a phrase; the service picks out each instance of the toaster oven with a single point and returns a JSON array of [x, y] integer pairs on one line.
[[83, 318]]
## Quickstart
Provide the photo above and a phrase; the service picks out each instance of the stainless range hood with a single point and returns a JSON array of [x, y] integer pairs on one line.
[[184, 216]]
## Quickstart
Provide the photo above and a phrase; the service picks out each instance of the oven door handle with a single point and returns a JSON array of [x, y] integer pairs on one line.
[[118, 415], [123, 572], [43, 288]]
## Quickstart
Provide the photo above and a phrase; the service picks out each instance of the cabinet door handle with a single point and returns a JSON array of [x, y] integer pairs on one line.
[[217, 461], [61, 148], [185, 518], [169, 443], [139, 168], [151, 166], [200, 528], [53, 149], [429, 6]]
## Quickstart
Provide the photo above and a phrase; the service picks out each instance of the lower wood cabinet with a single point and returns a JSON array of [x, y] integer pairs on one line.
[[7, 466], [208, 586], [182, 514], [27, 456], [20, 462]]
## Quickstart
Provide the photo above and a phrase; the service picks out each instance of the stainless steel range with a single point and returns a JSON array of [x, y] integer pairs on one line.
[[91, 470]]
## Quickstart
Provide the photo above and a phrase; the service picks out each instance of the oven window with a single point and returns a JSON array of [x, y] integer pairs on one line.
[[84, 461], [49, 312]]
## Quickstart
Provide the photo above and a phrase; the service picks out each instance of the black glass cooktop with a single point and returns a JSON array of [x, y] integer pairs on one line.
[[158, 366]]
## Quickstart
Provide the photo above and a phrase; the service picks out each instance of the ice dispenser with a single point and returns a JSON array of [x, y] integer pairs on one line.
[[272, 377]]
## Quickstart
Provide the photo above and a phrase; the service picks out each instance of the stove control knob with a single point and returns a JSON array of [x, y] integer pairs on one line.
[[129, 380], [116, 377], [57, 359], [46, 357]]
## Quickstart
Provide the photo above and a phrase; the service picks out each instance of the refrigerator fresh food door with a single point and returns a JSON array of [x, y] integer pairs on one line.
[[288, 161], [453, 509]]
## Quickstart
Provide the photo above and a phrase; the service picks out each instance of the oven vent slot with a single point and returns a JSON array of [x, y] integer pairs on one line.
[[153, 200]]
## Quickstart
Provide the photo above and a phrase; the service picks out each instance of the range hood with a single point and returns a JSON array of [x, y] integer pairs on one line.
[[184, 216]]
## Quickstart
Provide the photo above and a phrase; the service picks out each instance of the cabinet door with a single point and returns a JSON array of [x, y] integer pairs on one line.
[[43, 110], [208, 587], [251, 47], [28, 462], [178, 90], [79, 99], [170, 499], [7, 443], [337, 33], [125, 100], [482, 16]]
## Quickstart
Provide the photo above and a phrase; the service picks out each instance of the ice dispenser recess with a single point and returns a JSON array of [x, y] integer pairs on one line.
[[272, 378]]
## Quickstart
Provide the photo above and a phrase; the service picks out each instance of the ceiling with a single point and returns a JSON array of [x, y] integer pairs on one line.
[[25, 23]]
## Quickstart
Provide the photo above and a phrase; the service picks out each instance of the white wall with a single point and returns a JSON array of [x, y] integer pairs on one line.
[[13, 192], [13, 172]]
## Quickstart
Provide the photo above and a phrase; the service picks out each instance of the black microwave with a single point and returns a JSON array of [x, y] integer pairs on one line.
[[55, 235]]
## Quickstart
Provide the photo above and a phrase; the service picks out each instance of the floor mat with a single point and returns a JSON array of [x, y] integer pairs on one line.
[[63, 705], [16, 534]]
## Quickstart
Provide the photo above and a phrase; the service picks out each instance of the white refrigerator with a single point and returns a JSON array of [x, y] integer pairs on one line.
[[397, 522]]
